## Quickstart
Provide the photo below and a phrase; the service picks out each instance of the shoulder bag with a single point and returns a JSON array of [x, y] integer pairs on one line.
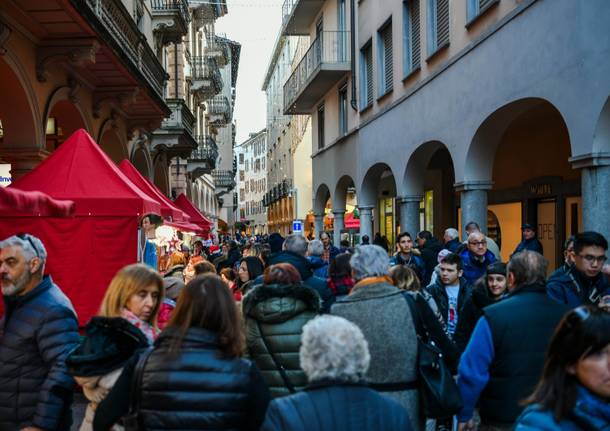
[[439, 394], [277, 363], [132, 421]]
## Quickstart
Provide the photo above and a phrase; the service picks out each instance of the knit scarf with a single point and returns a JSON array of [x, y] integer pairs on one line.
[[592, 405], [372, 280], [147, 329], [341, 286]]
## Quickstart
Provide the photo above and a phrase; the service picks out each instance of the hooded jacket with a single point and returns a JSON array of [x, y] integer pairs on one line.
[[429, 253], [37, 332], [574, 288], [304, 267], [280, 312]]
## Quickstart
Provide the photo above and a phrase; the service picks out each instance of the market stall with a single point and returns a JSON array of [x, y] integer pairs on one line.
[[84, 251]]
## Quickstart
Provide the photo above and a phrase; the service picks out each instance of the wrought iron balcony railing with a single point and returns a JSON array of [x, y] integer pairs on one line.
[[219, 110], [178, 6], [207, 150], [298, 15], [219, 50], [206, 76], [328, 54], [224, 178], [181, 118], [170, 20], [115, 18]]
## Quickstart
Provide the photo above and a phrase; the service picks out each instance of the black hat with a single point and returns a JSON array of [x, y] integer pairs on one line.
[[108, 343], [496, 268], [276, 241], [528, 226]]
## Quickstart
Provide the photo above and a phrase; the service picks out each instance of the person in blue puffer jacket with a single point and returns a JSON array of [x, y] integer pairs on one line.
[[315, 251], [574, 391]]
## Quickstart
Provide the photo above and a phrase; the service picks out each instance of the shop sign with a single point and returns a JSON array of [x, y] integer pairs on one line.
[[297, 226], [5, 175]]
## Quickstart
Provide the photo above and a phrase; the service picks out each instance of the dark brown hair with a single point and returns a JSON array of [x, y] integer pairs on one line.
[[206, 303], [339, 267], [282, 273], [228, 273], [204, 267], [581, 333]]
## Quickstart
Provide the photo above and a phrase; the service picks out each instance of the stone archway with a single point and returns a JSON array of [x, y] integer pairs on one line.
[[111, 143], [22, 132], [161, 173], [377, 184], [141, 160]]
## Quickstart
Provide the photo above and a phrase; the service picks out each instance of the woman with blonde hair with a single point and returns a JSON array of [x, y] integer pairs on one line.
[[126, 322]]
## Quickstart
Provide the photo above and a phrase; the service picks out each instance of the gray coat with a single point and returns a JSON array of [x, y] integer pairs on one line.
[[383, 315]]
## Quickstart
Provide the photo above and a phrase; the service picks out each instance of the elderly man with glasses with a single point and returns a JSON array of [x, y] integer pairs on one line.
[[583, 283], [38, 330], [476, 258]]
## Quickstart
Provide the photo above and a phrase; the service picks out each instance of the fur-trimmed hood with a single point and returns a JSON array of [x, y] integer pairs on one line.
[[277, 303]]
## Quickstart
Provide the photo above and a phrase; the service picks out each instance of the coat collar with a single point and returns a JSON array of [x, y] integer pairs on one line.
[[19, 300], [371, 287]]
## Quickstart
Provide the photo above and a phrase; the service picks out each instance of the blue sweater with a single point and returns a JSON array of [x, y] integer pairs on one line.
[[473, 370]]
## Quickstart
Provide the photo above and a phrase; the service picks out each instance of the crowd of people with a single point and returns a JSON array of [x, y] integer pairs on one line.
[[276, 333]]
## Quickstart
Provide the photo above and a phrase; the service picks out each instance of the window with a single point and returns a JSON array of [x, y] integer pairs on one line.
[[343, 110], [241, 159], [321, 126], [366, 76], [438, 25], [411, 38], [385, 58], [475, 7], [242, 175]]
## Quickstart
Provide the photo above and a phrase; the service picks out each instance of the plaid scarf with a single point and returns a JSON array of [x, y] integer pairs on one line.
[[147, 329]]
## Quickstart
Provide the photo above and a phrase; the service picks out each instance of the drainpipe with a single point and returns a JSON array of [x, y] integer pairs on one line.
[[176, 70], [354, 101]]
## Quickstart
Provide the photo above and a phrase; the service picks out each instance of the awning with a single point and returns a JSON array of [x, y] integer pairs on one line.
[[185, 227], [197, 218], [14, 202]]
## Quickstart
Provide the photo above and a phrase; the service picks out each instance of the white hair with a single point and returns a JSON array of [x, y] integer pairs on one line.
[[30, 245], [315, 248], [296, 243], [333, 348], [452, 233], [369, 261]]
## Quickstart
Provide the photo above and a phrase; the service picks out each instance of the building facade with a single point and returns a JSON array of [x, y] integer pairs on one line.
[[436, 113], [252, 183]]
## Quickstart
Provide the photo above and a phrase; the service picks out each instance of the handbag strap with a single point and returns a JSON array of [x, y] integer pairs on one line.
[[136, 382], [278, 365], [420, 329]]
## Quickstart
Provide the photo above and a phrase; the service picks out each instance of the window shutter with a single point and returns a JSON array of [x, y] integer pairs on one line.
[[442, 23], [369, 75], [484, 3], [388, 62], [415, 38]]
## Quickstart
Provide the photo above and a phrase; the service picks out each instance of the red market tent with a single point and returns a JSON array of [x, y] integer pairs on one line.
[[351, 222], [197, 218], [168, 209], [87, 250], [17, 202], [185, 227]]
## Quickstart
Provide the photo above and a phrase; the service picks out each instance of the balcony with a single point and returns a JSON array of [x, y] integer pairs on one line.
[[205, 77], [207, 11], [176, 133], [224, 179], [219, 50], [326, 61], [219, 111], [170, 20], [297, 16], [203, 159]]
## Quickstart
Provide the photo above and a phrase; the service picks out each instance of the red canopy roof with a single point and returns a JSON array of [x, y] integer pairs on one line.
[[197, 218], [17, 202], [168, 209], [80, 171]]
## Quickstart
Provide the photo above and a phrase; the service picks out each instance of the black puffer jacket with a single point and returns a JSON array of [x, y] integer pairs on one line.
[[37, 332], [193, 389], [280, 311]]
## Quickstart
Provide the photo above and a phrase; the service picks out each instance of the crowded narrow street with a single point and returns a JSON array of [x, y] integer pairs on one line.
[[304, 215]]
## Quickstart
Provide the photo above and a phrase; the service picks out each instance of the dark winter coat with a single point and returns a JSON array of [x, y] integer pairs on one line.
[[473, 269], [453, 245], [280, 312], [192, 389], [336, 407], [429, 253], [333, 252], [382, 313], [309, 279], [438, 292], [318, 266], [573, 288], [176, 271], [470, 314], [414, 262], [521, 327], [37, 332], [529, 244]]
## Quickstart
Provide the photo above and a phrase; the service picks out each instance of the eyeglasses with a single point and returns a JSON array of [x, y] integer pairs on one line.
[[28, 238], [592, 259], [477, 243]]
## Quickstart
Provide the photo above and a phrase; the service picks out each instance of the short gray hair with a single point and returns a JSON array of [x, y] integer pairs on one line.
[[315, 248], [452, 233], [528, 267], [296, 243], [369, 261], [30, 245], [333, 348]]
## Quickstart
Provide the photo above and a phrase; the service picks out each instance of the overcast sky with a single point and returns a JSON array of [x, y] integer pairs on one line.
[[254, 24]]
